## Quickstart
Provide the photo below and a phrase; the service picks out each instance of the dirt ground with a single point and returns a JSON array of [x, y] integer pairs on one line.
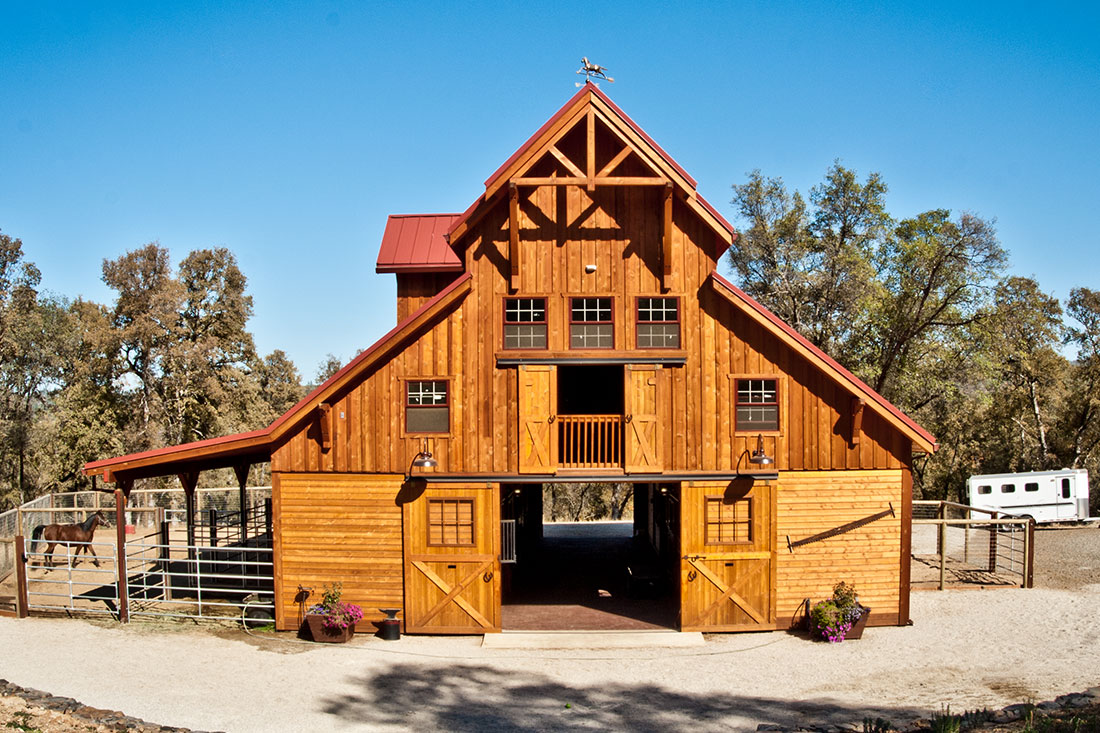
[[968, 649]]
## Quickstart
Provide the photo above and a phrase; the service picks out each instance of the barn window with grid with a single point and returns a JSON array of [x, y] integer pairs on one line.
[[427, 409], [590, 324], [757, 405], [728, 523], [658, 323], [525, 323], [450, 522]]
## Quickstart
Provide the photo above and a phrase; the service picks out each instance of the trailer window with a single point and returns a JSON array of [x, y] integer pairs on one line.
[[1065, 488], [985, 489], [1008, 488], [1031, 487]]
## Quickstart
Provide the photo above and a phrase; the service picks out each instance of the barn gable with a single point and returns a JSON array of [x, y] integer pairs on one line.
[[571, 325]]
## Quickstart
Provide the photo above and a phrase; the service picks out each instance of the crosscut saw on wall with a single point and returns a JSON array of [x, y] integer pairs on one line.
[[841, 529]]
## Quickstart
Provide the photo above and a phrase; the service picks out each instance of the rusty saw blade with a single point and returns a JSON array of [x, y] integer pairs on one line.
[[840, 530]]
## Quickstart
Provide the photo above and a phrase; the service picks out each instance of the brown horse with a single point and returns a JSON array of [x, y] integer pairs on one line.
[[68, 534]]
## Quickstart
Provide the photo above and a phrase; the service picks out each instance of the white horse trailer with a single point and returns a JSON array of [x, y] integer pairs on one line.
[[1046, 496]]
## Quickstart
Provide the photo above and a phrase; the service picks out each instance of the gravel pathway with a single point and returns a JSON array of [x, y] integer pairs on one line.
[[967, 649]]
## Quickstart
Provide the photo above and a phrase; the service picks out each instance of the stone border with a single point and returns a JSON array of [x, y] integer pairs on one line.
[[112, 719]]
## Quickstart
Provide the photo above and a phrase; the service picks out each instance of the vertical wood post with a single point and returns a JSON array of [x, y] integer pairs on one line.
[[120, 534], [20, 577], [993, 545], [943, 552], [190, 481], [19, 521], [242, 479], [164, 554], [268, 517], [513, 237], [1029, 549]]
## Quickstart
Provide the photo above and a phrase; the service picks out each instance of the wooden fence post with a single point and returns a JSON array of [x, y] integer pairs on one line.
[[943, 552], [120, 536], [1029, 572], [21, 602], [993, 544]]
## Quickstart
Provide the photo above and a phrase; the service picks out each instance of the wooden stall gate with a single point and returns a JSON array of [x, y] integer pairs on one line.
[[452, 560], [727, 570]]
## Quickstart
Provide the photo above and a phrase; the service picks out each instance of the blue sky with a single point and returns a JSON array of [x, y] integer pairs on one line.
[[287, 132]]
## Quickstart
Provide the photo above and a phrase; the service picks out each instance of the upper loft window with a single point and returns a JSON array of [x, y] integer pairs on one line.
[[590, 324], [427, 407], [525, 323], [658, 323], [757, 405]]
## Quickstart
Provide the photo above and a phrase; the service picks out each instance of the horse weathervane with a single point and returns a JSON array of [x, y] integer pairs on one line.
[[590, 70]]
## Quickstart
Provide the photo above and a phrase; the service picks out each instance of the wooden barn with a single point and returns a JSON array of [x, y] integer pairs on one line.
[[571, 326]]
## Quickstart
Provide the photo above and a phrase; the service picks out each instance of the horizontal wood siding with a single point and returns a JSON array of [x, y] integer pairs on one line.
[[338, 528], [869, 557]]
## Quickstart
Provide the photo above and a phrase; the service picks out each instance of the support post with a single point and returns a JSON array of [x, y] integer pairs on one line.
[[241, 472], [165, 556], [666, 240], [20, 577], [189, 480], [19, 521], [1029, 571], [943, 552], [993, 545], [267, 517], [513, 237], [120, 535]]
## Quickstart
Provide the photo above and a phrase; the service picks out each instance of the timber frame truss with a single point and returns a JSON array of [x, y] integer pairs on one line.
[[590, 144]]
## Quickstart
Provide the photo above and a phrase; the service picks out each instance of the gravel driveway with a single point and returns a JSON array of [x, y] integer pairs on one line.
[[967, 649]]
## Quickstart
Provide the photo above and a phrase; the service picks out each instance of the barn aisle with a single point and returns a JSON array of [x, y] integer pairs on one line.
[[577, 578]]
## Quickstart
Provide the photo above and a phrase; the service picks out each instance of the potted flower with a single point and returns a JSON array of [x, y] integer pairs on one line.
[[332, 620], [840, 617]]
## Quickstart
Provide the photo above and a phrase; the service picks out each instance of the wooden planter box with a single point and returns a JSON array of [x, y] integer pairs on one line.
[[318, 632], [856, 632]]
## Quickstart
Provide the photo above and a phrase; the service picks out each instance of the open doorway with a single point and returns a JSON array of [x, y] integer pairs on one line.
[[577, 568]]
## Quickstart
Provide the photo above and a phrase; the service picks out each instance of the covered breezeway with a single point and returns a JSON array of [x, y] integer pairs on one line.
[[591, 575]]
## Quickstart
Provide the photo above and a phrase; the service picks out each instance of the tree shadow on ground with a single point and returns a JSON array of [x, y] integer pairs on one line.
[[464, 697]]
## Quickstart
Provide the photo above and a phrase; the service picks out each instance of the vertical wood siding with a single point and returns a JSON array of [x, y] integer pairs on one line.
[[868, 557], [619, 230]]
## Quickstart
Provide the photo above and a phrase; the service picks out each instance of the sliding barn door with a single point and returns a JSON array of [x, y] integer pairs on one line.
[[641, 433], [538, 406], [727, 572], [452, 566]]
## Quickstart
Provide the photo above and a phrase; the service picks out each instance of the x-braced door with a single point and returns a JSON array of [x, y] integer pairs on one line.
[[452, 565], [727, 571], [538, 404], [642, 436]]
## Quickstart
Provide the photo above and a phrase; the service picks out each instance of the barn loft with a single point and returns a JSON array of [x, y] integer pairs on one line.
[[571, 326]]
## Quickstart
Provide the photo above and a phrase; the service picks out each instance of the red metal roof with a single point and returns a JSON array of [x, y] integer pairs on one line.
[[417, 243]]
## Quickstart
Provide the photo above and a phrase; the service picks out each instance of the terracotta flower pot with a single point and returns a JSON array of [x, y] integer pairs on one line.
[[319, 632]]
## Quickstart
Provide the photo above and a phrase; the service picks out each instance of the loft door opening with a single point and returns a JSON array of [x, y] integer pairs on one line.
[[590, 416]]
